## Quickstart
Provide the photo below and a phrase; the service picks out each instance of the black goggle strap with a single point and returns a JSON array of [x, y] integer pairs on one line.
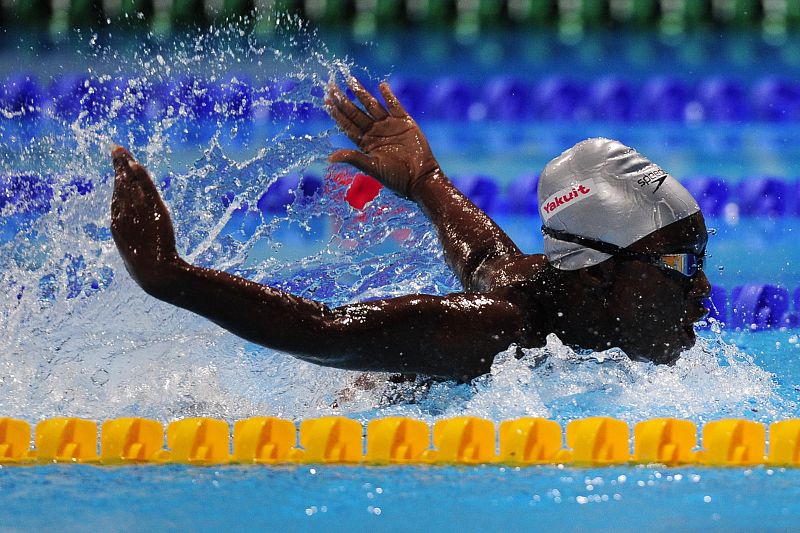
[[594, 244], [686, 264]]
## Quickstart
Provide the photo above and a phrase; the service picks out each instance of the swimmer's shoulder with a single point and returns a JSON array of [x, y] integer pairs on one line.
[[522, 283], [514, 270]]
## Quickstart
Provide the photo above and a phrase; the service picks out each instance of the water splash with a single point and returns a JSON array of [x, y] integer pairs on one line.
[[79, 338], [712, 380]]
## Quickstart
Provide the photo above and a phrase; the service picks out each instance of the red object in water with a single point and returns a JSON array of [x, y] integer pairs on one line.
[[363, 190]]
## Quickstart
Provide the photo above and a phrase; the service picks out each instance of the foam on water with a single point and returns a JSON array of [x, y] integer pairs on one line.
[[79, 338]]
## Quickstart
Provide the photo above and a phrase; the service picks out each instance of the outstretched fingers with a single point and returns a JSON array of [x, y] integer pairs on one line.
[[122, 160], [136, 197], [125, 166], [360, 160], [124, 188], [340, 101], [353, 132], [392, 103], [370, 102], [130, 175], [140, 222]]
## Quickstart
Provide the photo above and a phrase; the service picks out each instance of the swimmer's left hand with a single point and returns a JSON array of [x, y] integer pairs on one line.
[[140, 223]]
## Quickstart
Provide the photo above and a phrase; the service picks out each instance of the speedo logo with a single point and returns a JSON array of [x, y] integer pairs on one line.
[[657, 176], [566, 197]]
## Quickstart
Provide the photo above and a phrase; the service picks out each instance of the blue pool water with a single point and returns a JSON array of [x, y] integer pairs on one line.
[[398, 499], [79, 338]]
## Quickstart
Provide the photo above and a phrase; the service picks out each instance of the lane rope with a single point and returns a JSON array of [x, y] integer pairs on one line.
[[464, 440]]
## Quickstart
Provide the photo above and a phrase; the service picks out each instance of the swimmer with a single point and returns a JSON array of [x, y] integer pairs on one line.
[[624, 245]]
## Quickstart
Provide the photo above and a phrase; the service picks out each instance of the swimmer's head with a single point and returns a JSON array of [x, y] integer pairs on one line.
[[612, 221], [604, 191]]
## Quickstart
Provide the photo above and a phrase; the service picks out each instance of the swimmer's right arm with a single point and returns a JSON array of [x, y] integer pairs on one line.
[[454, 336], [394, 150]]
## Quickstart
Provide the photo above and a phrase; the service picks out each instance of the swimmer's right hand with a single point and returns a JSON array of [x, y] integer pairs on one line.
[[393, 149], [140, 224]]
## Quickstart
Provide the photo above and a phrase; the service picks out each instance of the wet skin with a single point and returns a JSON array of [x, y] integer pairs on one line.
[[509, 297]]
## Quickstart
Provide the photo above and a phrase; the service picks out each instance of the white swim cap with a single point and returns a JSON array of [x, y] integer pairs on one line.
[[604, 190]]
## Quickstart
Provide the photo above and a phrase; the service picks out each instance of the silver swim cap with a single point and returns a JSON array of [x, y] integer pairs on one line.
[[604, 190]]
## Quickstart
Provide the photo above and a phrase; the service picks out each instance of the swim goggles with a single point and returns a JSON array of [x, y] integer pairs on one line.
[[685, 264]]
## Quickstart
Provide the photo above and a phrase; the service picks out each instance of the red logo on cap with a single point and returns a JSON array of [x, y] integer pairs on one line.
[[558, 201]]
